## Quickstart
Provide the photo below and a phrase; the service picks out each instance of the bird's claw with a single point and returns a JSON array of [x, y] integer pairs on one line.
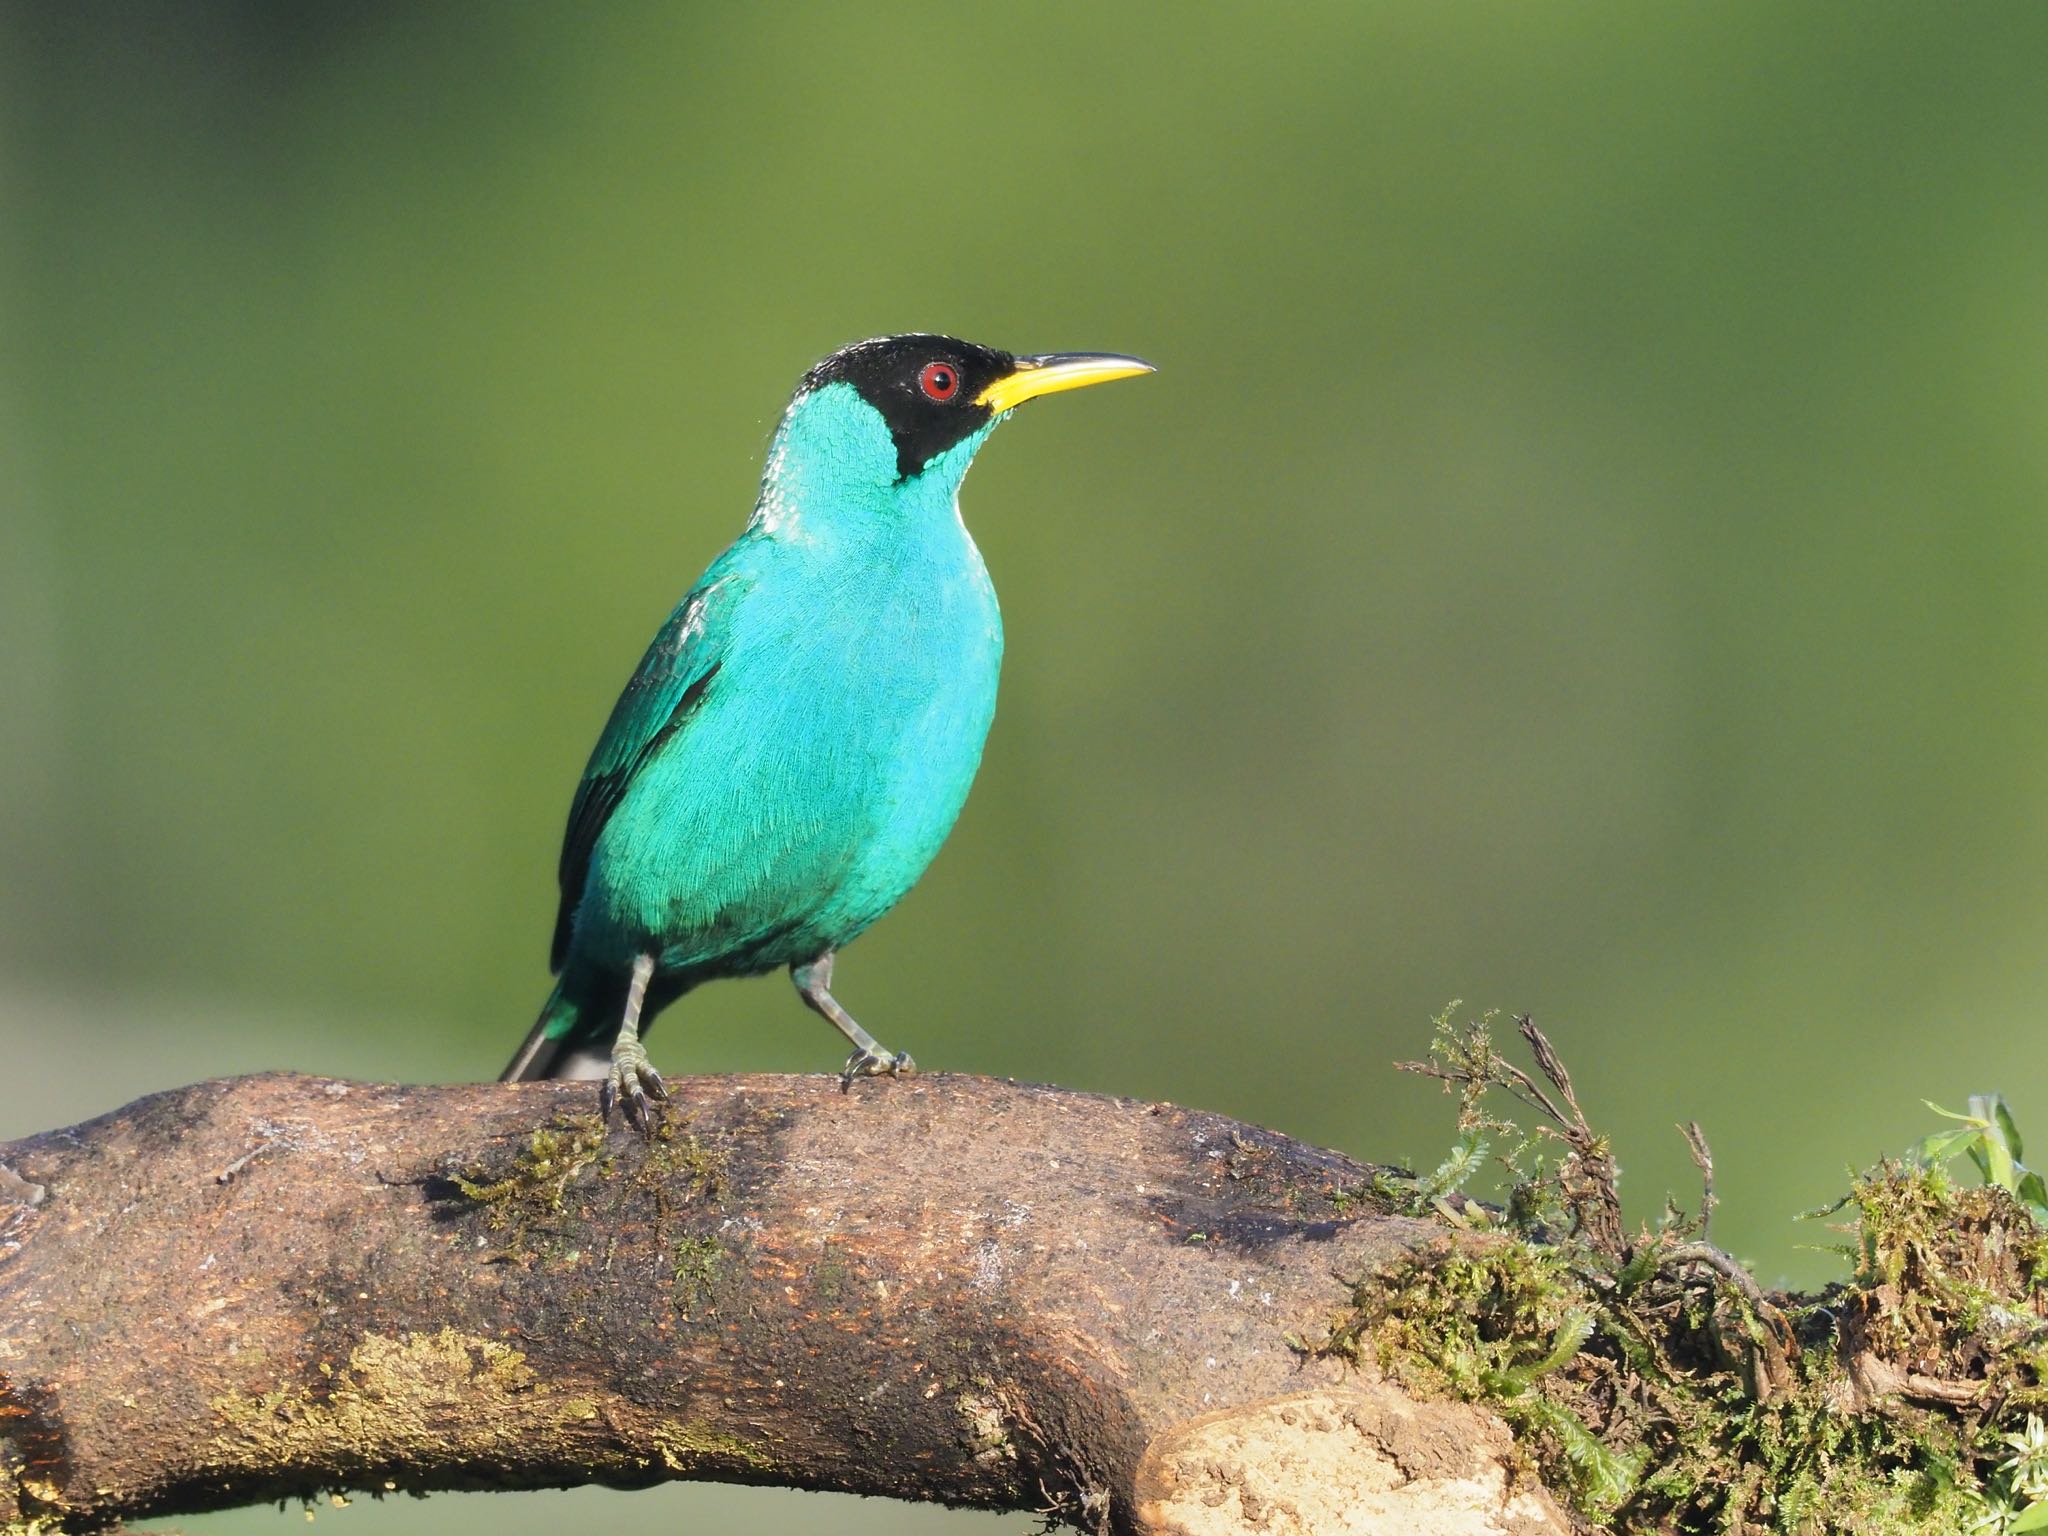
[[879, 1062], [630, 1085]]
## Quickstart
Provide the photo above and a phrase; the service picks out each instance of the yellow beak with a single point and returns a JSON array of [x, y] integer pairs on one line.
[[1054, 371]]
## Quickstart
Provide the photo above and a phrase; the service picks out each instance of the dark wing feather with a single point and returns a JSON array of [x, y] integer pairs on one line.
[[670, 686]]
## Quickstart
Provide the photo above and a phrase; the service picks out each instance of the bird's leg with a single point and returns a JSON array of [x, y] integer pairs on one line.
[[870, 1057], [632, 1079]]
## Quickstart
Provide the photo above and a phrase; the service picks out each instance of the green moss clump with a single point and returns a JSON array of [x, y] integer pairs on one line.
[[1948, 1264], [695, 1277], [529, 1192], [683, 1164], [830, 1275], [680, 1173], [1651, 1380], [1497, 1321]]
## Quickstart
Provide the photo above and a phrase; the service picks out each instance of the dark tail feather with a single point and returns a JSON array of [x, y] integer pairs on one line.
[[550, 1044]]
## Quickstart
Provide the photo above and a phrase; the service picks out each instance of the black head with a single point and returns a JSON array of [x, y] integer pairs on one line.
[[927, 389]]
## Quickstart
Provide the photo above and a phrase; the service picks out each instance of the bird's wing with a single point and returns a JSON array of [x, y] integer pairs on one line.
[[671, 683]]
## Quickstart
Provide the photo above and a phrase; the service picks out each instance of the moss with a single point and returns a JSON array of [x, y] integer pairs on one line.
[[525, 1196], [1651, 1381], [695, 1276], [1493, 1322], [680, 1162], [830, 1276], [679, 1173], [1637, 1406], [1943, 1263]]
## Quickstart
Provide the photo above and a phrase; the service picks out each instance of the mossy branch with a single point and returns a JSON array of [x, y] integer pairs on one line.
[[1129, 1317], [938, 1288]]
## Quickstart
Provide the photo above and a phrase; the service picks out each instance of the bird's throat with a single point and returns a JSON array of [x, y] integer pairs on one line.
[[832, 473]]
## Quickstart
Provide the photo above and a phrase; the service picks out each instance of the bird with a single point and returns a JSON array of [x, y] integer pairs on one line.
[[802, 732]]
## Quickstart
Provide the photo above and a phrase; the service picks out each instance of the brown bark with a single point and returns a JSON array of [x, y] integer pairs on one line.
[[942, 1288]]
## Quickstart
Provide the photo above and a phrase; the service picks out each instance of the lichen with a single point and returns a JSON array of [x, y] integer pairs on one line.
[[32, 1460], [392, 1402], [399, 1403], [692, 1448], [987, 1432]]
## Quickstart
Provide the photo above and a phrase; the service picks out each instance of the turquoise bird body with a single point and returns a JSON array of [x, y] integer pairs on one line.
[[803, 731]]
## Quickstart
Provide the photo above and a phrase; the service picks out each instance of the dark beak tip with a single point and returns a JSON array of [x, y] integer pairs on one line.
[[1053, 359]]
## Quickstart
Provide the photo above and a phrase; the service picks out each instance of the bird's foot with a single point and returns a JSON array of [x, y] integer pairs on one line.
[[630, 1084], [879, 1062]]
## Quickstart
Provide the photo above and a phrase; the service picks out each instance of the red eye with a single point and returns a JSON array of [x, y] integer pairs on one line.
[[939, 381]]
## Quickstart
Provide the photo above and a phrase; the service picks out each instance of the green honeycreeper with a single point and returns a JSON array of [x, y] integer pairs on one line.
[[801, 735]]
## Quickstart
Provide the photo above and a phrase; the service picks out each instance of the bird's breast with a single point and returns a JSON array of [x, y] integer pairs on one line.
[[904, 655], [832, 754]]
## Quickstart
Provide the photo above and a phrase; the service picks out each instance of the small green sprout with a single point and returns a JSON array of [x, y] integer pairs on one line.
[[2027, 1467], [2020, 1502], [1992, 1140], [1994, 1516], [2017, 1500]]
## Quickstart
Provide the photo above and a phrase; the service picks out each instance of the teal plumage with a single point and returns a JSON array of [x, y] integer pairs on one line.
[[803, 731]]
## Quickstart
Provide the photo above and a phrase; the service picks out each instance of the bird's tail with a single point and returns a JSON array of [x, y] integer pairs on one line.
[[553, 1041]]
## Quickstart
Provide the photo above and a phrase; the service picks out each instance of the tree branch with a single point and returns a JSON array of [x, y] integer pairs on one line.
[[946, 1288]]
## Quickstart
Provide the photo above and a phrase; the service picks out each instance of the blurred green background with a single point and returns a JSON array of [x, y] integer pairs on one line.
[[1584, 549]]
